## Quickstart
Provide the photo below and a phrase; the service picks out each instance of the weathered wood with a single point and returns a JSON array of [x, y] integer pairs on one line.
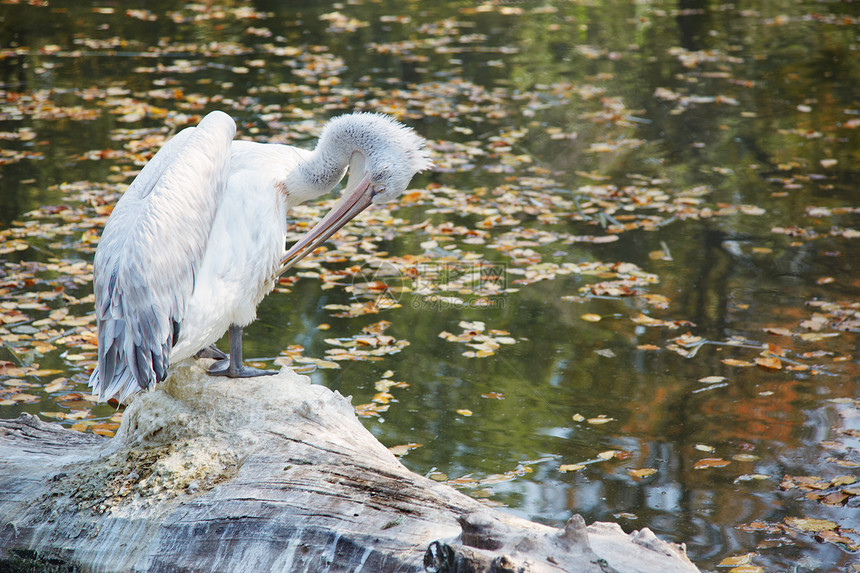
[[265, 474]]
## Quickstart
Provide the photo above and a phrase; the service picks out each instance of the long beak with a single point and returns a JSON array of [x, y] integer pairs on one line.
[[353, 202]]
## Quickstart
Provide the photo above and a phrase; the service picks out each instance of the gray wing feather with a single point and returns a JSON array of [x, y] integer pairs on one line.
[[149, 253]]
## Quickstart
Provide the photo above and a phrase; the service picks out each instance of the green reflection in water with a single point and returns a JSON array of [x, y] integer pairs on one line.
[[742, 106]]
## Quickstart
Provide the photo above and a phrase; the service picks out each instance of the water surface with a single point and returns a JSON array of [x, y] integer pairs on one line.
[[630, 198]]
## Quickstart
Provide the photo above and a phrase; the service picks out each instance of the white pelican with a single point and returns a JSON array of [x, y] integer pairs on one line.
[[198, 238]]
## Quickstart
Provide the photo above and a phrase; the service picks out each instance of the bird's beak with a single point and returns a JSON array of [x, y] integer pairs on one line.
[[354, 201]]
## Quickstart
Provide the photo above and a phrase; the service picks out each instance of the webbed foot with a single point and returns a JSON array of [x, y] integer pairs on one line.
[[211, 352], [227, 368], [233, 366]]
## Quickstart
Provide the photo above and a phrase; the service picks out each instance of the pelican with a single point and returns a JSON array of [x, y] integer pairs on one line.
[[198, 238]]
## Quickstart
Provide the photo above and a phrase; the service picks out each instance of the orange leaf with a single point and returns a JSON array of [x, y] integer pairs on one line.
[[769, 362], [705, 463]]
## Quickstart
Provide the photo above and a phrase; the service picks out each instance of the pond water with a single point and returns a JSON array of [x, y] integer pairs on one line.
[[628, 290]]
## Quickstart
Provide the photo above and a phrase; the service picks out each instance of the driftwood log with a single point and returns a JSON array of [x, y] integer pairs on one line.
[[265, 474]]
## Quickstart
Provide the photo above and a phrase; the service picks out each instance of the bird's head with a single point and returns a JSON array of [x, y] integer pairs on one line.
[[383, 156], [385, 150]]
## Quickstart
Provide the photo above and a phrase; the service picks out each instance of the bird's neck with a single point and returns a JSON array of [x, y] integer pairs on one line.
[[322, 169]]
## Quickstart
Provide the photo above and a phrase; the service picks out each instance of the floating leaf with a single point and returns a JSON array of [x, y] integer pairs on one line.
[[735, 362], [570, 467], [403, 449], [810, 525], [769, 362], [737, 560], [706, 463]]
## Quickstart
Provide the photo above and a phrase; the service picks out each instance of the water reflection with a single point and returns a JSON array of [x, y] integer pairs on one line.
[[703, 126]]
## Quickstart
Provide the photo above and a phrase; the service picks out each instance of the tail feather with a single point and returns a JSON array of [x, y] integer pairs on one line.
[[122, 385]]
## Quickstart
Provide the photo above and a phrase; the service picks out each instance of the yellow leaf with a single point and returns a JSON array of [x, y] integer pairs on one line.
[[382, 397], [570, 467], [591, 317], [733, 362], [56, 385], [402, 449], [77, 414], [752, 210], [464, 412], [813, 525], [736, 560], [769, 362], [641, 473], [705, 463], [607, 455]]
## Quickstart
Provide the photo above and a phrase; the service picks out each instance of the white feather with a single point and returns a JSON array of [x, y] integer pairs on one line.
[[195, 242]]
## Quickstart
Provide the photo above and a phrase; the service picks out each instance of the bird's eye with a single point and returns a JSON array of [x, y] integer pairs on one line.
[[376, 191]]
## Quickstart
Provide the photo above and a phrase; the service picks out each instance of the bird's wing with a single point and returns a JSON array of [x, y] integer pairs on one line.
[[149, 252]]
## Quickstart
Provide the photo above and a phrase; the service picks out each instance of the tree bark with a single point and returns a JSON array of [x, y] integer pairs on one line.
[[265, 474]]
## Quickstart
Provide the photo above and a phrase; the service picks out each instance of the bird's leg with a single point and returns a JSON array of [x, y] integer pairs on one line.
[[233, 367], [211, 351]]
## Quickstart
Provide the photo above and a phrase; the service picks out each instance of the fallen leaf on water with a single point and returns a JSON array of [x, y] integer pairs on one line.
[[641, 473], [748, 477], [843, 480], [493, 395], [736, 560], [752, 210], [464, 412], [57, 385], [769, 362], [834, 537], [813, 525], [591, 317], [705, 463], [735, 362], [776, 331], [570, 467], [835, 498], [402, 449]]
